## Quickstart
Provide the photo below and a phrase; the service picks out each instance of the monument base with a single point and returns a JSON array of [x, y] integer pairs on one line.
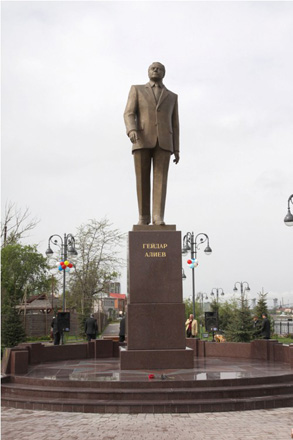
[[155, 311], [156, 359]]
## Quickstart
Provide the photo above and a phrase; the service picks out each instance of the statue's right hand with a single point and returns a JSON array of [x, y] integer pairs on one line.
[[133, 136]]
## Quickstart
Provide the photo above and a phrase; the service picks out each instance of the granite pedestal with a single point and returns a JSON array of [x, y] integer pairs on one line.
[[155, 312]]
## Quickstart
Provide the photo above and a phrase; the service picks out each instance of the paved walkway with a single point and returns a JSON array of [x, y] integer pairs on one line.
[[112, 329], [273, 424]]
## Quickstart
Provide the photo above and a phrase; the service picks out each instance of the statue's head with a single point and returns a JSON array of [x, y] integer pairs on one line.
[[156, 71]]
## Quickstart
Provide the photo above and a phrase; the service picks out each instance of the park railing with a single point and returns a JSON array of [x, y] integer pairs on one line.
[[283, 327]]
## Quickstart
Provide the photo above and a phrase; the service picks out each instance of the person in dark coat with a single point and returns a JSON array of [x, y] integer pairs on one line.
[[122, 330], [265, 327], [91, 328], [257, 327], [57, 331]]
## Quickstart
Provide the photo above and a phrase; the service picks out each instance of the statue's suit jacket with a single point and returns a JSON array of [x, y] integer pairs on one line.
[[153, 121]]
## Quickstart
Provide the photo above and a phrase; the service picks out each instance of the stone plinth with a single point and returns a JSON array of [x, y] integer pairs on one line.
[[155, 314], [155, 267], [156, 323]]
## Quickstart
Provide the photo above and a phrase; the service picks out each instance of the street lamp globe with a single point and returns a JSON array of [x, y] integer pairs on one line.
[[208, 250], [288, 220], [183, 274], [71, 250], [185, 248], [49, 251]]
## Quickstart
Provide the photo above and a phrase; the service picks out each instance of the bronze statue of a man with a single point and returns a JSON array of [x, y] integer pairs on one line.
[[152, 124]]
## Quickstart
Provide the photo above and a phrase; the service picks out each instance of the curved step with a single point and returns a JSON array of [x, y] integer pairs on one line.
[[159, 396], [149, 384], [147, 394], [131, 407]]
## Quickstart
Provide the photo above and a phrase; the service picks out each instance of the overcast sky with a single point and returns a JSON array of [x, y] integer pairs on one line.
[[66, 72]]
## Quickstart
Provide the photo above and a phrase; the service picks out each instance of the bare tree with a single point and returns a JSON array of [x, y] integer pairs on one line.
[[17, 223], [97, 263]]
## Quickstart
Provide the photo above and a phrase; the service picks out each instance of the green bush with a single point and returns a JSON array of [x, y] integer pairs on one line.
[[12, 329], [240, 329]]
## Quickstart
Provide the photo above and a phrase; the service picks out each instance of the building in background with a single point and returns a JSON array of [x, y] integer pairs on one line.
[[119, 303], [111, 303], [113, 287], [39, 304]]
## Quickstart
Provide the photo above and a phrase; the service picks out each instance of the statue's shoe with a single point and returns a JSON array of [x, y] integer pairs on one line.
[[143, 222], [159, 222]]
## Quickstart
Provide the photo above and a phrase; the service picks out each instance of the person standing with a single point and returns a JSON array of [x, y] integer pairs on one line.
[[57, 331], [191, 327], [256, 327], [265, 327], [122, 330], [152, 125], [91, 328]]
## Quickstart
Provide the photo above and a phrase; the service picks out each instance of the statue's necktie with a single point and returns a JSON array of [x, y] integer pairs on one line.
[[157, 92]]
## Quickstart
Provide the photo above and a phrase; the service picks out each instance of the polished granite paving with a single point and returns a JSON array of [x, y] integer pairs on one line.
[[204, 369]]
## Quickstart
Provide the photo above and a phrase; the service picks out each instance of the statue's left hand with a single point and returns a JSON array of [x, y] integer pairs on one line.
[[177, 157], [133, 136]]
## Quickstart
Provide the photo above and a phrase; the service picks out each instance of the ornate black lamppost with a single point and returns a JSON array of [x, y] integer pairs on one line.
[[67, 246], [217, 291], [289, 217], [191, 243], [244, 287]]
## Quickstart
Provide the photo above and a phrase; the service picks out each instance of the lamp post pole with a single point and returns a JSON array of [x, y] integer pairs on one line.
[[201, 297], [191, 243], [288, 220], [216, 291], [67, 246], [244, 286]]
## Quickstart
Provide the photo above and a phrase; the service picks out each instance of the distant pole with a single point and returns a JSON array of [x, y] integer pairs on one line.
[[53, 292], [244, 286], [217, 290]]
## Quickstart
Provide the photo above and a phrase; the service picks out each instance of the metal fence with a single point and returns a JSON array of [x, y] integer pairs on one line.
[[283, 327]]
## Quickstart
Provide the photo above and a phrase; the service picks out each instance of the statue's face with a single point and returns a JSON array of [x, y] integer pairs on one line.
[[156, 71]]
